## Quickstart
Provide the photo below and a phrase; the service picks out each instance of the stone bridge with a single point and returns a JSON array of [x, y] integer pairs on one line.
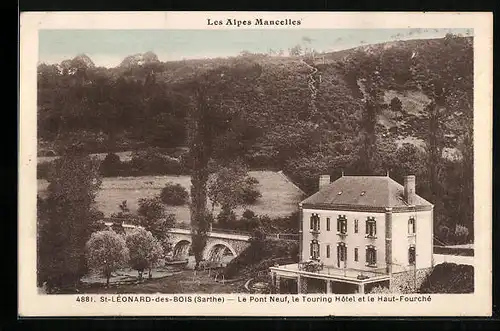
[[219, 244]]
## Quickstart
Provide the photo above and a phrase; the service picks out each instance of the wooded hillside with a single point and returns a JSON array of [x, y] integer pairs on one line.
[[404, 107]]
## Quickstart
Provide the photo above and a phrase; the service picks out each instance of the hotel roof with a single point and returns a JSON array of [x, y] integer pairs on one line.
[[363, 191]]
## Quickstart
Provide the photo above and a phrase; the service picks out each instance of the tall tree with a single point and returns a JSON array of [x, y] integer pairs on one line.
[[214, 105], [69, 218]]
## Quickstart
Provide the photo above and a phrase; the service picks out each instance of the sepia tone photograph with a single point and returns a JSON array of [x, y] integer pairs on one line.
[[305, 161]]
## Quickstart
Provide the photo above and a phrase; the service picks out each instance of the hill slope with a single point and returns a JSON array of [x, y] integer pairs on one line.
[[302, 114]]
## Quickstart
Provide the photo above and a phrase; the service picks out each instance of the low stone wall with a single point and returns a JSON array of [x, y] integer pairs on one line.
[[408, 281]]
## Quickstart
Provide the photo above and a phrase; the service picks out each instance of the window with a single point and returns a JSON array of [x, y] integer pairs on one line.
[[371, 227], [328, 224], [356, 226], [356, 255], [314, 249], [371, 256], [327, 251], [411, 255], [411, 226], [341, 253], [314, 222], [342, 224]]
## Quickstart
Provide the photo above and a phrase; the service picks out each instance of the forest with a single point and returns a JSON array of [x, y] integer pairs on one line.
[[401, 107]]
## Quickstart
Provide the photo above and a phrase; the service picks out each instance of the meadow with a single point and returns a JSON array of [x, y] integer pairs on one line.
[[280, 197]]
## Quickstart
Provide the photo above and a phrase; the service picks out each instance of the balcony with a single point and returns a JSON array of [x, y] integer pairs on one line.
[[315, 231], [342, 234], [370, 236]]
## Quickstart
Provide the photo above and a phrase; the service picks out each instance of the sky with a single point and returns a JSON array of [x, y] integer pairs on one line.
[[108, 48]]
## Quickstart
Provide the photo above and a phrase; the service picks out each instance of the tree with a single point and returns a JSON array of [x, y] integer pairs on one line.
[[226, 218], [213, 105], [174, 194], [106, 252], [111, 165], [67, 218], [396, 105], [144, 250], [153, 218], [295, 50], [124, 212], [231, 186]]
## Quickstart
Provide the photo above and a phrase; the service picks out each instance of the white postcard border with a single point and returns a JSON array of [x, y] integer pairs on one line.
[[33, 304]]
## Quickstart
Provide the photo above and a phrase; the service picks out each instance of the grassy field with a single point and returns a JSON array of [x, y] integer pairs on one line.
[[279, 196]]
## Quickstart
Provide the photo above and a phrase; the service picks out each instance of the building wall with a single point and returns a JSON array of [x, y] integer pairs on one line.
[[402, 240], [352, 240]]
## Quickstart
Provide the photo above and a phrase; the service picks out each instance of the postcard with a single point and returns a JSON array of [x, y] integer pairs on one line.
[[255, 164]]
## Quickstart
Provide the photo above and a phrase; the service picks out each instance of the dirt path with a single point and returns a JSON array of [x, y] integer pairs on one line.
[[312, 86], [185, 282]]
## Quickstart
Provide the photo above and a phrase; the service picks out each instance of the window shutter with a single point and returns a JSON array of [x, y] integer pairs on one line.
[[311, 249], [328, 224], [367, 256], [319, 221], [374, 228], [338, 225], [345, 253], [311, 222], [367, 229], [414, 223]]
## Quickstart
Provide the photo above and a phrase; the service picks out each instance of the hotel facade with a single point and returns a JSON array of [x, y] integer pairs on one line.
[[359, 232]]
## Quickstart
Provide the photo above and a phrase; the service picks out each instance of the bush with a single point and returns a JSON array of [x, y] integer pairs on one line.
[[396, 105], [174, 194], [227, 219], [380, 290], [461, 233], [111, 165], [250, 192], [260, 255], [248, 214], [106, 252], [449, 278]]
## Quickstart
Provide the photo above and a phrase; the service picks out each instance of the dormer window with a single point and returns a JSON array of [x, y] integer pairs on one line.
[[342, 224]]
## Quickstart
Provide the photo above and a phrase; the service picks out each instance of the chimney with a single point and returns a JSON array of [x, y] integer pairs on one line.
[[323, 181], [409, 189]]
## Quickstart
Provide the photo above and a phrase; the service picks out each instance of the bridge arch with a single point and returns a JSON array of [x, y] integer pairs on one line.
[[218, 247], [181, 249]]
